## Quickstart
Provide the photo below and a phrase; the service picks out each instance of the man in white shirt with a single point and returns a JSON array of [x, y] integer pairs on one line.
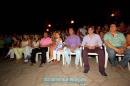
[[93, 44]]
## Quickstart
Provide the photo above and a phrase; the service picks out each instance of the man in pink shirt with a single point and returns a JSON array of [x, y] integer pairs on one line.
[[45, 42]]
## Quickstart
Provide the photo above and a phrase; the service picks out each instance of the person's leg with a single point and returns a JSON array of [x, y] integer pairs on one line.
[[8, 54], [58, 55], [85, 59], [25, 54], [55, 56], [78, 55], [112, 56], [126, 58], [101, 60], [11, 54], [18, 53], [43, 59], [67, 57], [33, 55], [51, 52]]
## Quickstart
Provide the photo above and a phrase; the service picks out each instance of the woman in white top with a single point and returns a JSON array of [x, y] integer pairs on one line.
[[35, 46], [57, 48], [26, 45]]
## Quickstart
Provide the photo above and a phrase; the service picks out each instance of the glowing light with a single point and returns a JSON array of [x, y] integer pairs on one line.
[[72, 21], [49, 25], [112, 14], [47, 30]]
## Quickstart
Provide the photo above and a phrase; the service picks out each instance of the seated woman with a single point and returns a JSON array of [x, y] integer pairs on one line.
[[57, 48], [35, 46], [11, 51], [52, 46], [18, 51], [26, 46]]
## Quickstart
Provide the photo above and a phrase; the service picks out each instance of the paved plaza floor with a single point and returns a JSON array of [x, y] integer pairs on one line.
[[12, 74]]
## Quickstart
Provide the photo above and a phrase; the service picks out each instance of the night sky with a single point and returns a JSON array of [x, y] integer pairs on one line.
[[33, 20]]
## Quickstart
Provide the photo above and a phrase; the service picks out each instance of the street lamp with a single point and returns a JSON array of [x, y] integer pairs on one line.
[[47, 30], [49, 25], [72, 21], [112, 14]]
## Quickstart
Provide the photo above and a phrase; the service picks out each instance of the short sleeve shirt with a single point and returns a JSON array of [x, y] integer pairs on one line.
[[117, 41]]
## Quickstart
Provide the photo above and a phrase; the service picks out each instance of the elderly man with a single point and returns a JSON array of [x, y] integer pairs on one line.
[[72, 43], [93, 44]]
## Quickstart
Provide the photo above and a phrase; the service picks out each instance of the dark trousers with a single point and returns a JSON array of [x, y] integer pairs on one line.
[[33, 54], [43, 50], [1, 52], [101, 58]]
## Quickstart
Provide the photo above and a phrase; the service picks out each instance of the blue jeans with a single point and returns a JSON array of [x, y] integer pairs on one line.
[[126, 58], [67, 55], [111, 55]]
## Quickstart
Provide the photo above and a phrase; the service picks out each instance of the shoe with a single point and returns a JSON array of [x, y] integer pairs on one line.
[[50, 60], [121, 67], [67, 65], [76, 66], [31, 64], [12, 59], [86, 70], [114, 64], [103, 73], [41, 65]]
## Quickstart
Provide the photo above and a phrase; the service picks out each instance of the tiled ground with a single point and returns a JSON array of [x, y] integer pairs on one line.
[[12, 74]]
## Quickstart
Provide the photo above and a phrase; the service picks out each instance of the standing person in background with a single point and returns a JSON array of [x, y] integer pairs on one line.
[[82, 31]]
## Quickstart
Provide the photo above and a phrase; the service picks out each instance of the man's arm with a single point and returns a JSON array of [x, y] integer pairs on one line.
[[118, 50]]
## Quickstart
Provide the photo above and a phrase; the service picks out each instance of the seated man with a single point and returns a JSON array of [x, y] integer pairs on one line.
[[72, 43], [115, 42], [45, 42], [92, 44], [126, 58]]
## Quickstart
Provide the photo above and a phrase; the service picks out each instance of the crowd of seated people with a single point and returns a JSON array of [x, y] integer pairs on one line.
[[23, 48]]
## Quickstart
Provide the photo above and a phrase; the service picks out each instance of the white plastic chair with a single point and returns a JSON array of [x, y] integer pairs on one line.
[[39, 54], [121, 55], [61, 53], [106, 56]]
